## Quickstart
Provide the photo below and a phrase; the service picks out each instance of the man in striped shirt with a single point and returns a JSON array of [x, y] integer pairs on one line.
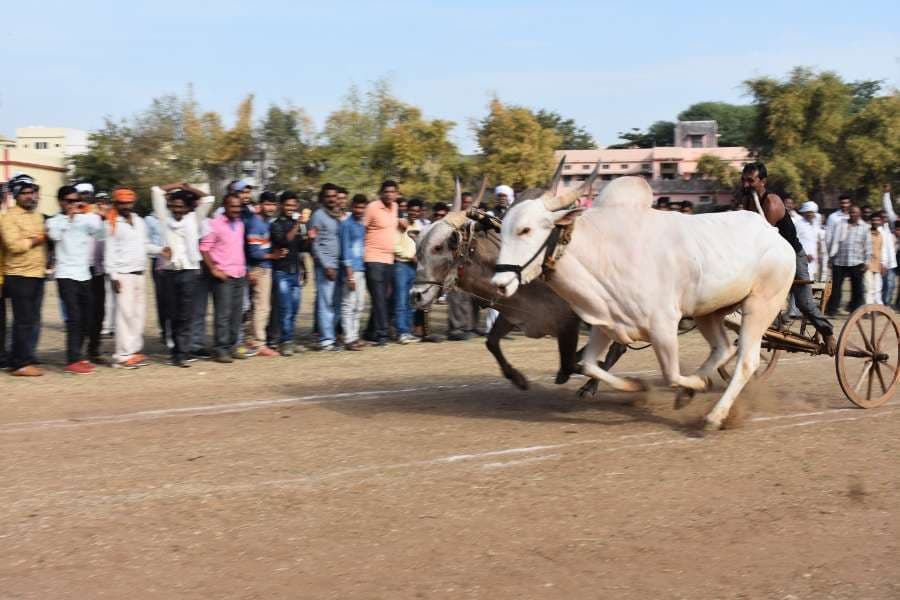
[[849, 250]]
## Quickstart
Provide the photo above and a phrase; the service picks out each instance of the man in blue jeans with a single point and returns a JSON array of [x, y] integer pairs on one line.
[[288, 272], [325, 233], [404, 275]]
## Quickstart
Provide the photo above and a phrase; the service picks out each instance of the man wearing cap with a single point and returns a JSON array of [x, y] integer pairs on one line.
[[25, 262], [810, 235], [125, 257]]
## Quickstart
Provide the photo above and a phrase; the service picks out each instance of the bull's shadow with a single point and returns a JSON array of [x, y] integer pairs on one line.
[[492, 399]]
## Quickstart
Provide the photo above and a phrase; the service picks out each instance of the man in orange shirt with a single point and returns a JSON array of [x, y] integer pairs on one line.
[[380, 220]]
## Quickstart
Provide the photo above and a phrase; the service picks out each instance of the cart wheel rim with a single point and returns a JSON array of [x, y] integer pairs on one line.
[[867, 360]]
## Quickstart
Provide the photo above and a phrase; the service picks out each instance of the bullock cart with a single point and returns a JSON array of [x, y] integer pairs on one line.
[[867, 359]]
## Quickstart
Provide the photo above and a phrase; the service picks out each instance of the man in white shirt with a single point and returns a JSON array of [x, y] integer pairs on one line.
[[179, 266], [810, 233], [125, 257]]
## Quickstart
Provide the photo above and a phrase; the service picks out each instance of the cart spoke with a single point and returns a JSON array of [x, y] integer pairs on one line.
[[872, 316], [854, 348], [864, 338], [881, 335], [869, 387], [880, 377], [862, 376]]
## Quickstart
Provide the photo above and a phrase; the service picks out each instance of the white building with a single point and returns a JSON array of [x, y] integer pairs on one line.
[[52, 140]]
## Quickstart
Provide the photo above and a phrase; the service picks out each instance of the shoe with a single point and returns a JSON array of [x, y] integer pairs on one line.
[[248, 351], [178, 362], [28, 371], [407, 338], [202, 353], [380, 344], [266, 351], [140, 360], [88, 364], [459, 336], [480, 332], [286, 349], [330, 348], [240, 353], [224, 359], [353, 347], [107, 332], [190, 359], [96, 359], [78, 368], [433, 338]]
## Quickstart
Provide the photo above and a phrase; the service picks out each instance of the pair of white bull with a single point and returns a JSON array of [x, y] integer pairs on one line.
[[632, 272]]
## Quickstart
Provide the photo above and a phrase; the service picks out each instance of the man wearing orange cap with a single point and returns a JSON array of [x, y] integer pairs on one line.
[[125, 258]]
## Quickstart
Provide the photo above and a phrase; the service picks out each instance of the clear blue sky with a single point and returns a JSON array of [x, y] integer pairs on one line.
[[611, 66]]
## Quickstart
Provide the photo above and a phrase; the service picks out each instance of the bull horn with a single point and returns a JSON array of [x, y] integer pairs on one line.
[[457, 197], [480, 193], [554, 183], [570, 197]]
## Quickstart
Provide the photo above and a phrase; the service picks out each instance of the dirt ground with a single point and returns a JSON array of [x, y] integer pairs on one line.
[[415, 472]]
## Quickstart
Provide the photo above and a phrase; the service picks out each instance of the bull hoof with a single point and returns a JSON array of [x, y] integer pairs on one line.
[[633, 385], [683, 397], [711, 424], [588, 390], [518, 380], [562, 377]]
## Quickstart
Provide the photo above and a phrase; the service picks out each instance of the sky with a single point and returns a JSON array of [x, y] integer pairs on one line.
[[609, 65]]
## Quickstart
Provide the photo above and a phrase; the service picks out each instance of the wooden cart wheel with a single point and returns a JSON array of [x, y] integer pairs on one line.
[[867, 355], [768, 360]]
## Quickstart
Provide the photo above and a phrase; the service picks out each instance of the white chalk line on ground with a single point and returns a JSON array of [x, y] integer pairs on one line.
[[169, 490], [238, 407]]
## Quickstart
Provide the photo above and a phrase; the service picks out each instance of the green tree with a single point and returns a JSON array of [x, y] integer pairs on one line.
[[516, 149], [571, 136], [820, 133], [713, 167], [290, 157], [660, 133], [735, 121]]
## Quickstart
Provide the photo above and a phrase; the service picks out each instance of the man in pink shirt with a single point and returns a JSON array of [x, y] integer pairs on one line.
[[223, 253], [380, 220]]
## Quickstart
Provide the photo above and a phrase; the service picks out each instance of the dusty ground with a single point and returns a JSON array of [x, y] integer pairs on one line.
[[412, 472]]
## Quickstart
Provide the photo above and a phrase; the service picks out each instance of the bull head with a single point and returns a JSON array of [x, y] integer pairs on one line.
[[554, 203]]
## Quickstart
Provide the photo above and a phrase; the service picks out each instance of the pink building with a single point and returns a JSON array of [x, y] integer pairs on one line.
[[671, 171]]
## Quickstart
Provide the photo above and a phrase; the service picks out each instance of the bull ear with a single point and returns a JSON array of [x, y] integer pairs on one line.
[[567, 217], [453, 242]]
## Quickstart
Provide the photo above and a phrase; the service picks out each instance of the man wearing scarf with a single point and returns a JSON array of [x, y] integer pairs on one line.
[[125, 256], [25, 248], [176, 206]]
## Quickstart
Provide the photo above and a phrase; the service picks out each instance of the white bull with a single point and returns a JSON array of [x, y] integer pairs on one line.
[[632, 273]]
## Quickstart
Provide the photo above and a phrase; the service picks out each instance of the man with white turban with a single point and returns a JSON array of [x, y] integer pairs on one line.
[[810, 234]]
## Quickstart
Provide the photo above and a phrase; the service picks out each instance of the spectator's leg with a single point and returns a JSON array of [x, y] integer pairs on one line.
[[325, 308], [856, 287], [838, 273], [22, 292], [95, 324]]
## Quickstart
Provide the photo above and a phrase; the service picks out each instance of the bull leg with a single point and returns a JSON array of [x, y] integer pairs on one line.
[[758, 314], [498, 331], [665, 345], [712, 327], [567, 343], [616, 351], [597, 345]]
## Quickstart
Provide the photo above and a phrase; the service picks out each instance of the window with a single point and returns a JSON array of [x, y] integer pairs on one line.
[[605, 166], [623, 166], [57, 145], [585, 167], [705, 199], [606, 177], [646, 166], [40, 145], [668, 170], [567, 167], [696, 141], [566, 179]]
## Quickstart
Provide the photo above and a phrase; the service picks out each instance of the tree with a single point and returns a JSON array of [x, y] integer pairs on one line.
[[735, 121], [660, 133], [571, 136], [516, 149], [290, 158], [713, 167], [819, 132]]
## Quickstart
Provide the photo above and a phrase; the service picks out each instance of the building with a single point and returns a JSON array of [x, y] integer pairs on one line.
[[52, 140], [670, 170]]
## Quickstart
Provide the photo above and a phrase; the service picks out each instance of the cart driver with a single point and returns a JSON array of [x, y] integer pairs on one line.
[[757, 198]]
